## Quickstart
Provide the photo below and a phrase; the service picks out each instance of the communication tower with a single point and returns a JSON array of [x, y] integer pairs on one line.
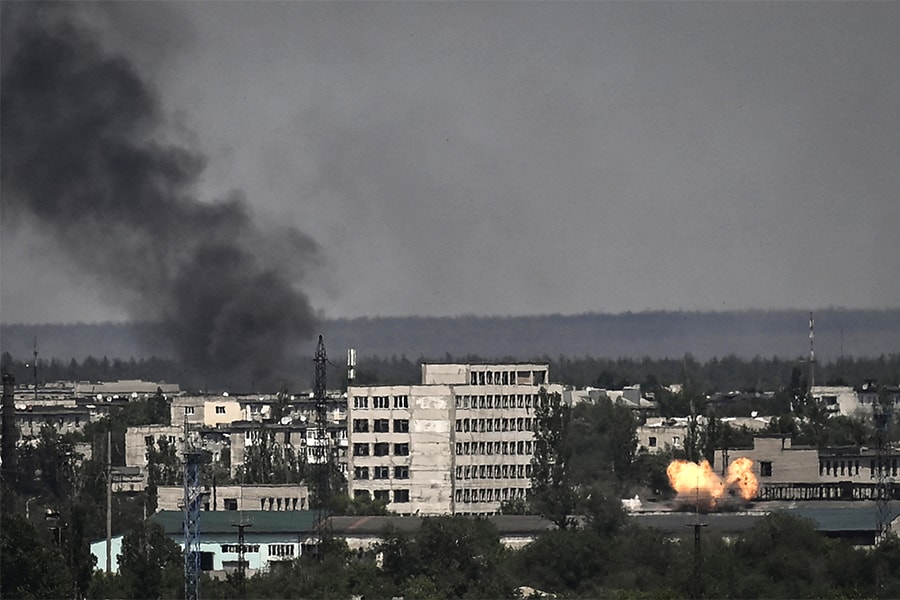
[[191, 508], [323, 455], [812, 351]]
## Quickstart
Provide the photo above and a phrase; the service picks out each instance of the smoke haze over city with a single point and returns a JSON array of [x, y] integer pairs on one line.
[[444, 159], [85, 164]]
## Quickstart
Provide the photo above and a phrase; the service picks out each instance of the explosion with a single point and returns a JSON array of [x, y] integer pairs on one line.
[[699, 484]]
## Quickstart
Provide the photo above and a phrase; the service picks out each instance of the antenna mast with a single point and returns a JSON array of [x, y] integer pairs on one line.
[[191, 507], [812, 352], [323, 456]]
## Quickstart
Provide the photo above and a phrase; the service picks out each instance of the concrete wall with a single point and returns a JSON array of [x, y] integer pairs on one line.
[[221, 411], [839, 400], [187, 408], [136, 444], [233, 497], [789, 465], [658, 437], [444, 374]]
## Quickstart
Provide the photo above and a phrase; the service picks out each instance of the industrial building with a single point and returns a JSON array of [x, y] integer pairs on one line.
[[461, 442]]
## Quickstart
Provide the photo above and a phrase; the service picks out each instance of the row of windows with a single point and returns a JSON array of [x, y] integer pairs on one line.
[[493, 471], [381, 472], [281, 550], [380, 449], [380, 425], [489, 494], [401, 495], [491, 401], [149, 440], [236, 548], [499, 424], [381, 402], [838, 468], [189, 410], [507, 377], [272, 549], [524, 448]]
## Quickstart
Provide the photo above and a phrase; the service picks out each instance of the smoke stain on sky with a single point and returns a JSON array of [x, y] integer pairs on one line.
[[85, 160], [528, 158]]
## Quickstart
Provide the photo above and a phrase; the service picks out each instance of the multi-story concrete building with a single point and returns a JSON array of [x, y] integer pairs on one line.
[[461, 442]]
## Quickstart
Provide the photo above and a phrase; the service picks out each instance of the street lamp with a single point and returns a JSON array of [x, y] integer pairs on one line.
[[28, 508]]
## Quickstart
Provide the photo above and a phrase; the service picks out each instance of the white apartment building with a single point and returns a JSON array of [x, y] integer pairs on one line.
[[461, 442]]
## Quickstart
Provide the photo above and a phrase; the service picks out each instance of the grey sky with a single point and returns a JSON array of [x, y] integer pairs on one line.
[[522, 158]]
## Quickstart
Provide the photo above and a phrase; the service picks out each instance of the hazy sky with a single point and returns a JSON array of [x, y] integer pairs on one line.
[[501, 158]]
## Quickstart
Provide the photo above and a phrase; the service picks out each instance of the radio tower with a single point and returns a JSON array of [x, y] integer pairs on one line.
[[323, 456], [812, 352], [191, 507]]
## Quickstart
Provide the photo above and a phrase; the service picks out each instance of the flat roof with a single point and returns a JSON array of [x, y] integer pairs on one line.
[[224, 521]]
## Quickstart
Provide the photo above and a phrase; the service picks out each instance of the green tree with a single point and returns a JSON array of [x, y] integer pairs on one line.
[[31, 566], [602, 437], [151, 564], [711, 437], [448, 557], [552, 493]]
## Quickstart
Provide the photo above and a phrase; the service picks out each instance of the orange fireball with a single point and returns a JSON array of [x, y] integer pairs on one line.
[[699, 483], [740, 474]]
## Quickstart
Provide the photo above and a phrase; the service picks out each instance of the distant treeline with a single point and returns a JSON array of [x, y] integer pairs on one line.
[[730, 373], [704, 335]]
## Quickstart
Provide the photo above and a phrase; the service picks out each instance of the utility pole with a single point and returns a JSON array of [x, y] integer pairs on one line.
[[697, 580], [242, 564], [109, 499]]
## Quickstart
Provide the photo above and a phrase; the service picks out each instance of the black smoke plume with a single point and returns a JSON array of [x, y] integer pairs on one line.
[[83, 157]]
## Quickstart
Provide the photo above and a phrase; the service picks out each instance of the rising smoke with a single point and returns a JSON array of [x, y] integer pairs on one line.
[[83, 156]]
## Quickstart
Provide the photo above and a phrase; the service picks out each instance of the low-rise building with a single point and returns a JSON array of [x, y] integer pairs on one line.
[[785, 471], [269, 537], [662, 434]]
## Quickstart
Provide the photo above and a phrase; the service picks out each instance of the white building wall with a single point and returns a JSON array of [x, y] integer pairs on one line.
[[839, 400], [221, 411], [470, 444]]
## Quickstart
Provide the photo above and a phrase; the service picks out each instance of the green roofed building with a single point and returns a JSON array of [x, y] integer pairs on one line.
[[269, 537]]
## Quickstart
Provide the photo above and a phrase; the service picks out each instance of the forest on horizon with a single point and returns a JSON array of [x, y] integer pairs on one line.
[[107, 352], [661, 334]]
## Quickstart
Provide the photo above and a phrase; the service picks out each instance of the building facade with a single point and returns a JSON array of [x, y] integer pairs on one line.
[[461, 442], [806, 473], [259, 497]]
